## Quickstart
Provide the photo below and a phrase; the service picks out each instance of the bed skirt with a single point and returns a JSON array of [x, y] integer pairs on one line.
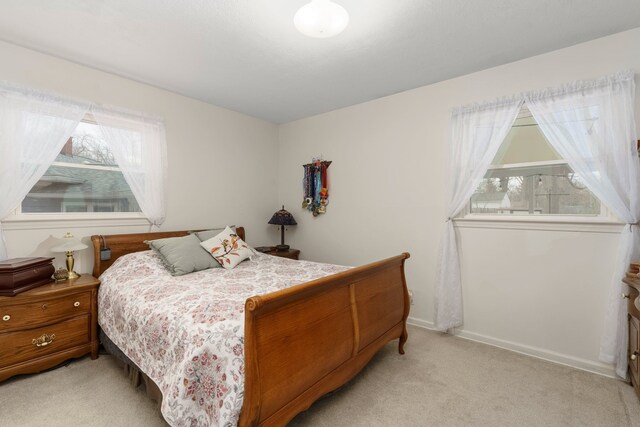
[[137, 378]]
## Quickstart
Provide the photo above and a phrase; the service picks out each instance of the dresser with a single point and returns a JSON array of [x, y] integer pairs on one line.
[[45, 326], [633, 316]]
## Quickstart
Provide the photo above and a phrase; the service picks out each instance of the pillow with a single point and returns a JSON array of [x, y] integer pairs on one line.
[[208, 234], [227, 248], [182, 255]]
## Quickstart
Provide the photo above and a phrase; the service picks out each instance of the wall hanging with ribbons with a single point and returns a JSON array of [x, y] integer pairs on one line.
[[315, 184]]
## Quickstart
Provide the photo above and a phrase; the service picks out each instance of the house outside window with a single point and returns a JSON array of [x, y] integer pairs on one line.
[[528, 177], [84, 178]]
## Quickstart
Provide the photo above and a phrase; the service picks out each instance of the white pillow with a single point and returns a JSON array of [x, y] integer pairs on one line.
[[227, 248]]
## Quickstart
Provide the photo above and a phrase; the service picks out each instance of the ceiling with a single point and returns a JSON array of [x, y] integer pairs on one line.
[[246, 55]]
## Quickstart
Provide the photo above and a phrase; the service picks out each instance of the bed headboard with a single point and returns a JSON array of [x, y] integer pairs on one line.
[[122, 244]]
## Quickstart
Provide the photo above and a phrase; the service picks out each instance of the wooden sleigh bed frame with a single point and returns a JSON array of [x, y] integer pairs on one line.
[[305, 341]]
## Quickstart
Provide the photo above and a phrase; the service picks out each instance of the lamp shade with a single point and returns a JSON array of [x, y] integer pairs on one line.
[[282, 217], [68, 244]]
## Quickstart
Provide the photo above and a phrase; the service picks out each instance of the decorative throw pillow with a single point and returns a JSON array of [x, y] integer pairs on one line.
[[227, 248], [207, 234], [182, 255]]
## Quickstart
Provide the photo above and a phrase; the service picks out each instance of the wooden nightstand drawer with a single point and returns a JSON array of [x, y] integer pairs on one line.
[[44, 311], [633, 318], [632, 296], [62, 318], [634, 350], [32, 343]]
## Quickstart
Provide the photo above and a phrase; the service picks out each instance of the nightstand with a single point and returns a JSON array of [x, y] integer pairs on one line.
[[290, 253], [42, 327]]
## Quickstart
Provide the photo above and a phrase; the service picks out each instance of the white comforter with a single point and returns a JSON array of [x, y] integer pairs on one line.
[[187, 333]]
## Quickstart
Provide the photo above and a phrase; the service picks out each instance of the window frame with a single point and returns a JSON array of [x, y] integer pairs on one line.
[[19, 220], [606, 221]]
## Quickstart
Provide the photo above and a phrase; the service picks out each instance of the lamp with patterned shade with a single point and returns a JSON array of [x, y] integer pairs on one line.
[[282, 218]]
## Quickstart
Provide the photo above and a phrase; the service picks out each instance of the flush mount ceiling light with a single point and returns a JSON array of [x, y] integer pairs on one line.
[[321, 19]]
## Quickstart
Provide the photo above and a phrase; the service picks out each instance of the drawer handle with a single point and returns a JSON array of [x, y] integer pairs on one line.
[[44, 306], [6, 317], [625, 296], [634, 356], [76, 304], [43, 340]]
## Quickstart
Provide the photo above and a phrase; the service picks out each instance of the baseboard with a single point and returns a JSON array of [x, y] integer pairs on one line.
[[550, 356], [420, 323]]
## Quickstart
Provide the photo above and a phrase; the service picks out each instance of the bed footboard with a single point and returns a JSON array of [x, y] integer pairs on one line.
[[303, 342]]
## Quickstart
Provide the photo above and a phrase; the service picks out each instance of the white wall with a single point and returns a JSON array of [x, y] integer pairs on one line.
[[221, 163], [542, 292]]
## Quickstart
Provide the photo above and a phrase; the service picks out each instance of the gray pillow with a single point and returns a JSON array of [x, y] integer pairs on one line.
[[182, 255], [207, 234]]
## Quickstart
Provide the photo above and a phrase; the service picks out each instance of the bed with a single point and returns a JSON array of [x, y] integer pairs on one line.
[[300, 341]]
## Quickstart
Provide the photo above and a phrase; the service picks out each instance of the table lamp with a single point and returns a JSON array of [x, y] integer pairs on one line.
[[68, 244], [282, 218]]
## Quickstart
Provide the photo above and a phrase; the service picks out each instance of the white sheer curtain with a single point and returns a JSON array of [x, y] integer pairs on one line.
[[138, 144], [476, 135], [34, 126], [591, 125]]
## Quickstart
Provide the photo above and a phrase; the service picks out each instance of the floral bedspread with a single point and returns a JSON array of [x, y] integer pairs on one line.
[[187, 333]]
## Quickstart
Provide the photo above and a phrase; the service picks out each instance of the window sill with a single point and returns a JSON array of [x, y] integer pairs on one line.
[[49, 221], [545, 223]]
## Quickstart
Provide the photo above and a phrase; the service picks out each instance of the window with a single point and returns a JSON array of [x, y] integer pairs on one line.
[[83, 179], [528, 177]]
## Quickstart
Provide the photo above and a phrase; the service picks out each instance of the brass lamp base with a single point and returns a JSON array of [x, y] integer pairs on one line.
[[282, 248], [70, 262]]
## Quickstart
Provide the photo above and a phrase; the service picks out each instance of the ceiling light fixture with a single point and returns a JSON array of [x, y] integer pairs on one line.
[[321, 19]]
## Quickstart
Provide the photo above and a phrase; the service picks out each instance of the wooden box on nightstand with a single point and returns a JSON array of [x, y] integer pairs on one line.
[[289, 253], [45, 326]]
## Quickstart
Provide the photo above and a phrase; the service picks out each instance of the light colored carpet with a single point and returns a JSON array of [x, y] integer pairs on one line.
[[441, 381]]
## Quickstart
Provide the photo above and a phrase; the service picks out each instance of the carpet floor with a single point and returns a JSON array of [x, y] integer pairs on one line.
[[440, 381]]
